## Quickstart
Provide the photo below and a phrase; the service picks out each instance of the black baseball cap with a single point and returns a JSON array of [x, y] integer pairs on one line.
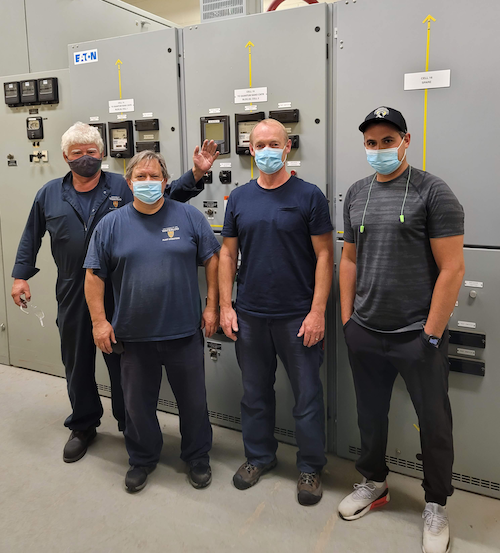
[[384, 115]]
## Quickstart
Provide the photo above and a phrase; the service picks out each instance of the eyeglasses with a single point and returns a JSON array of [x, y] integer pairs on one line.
[[25, 308]]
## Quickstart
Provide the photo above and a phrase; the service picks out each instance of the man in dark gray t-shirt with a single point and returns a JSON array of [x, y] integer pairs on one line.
[[401, 270]]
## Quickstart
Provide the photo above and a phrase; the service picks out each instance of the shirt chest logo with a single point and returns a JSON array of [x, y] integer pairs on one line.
[[170, 231], [115, 200]]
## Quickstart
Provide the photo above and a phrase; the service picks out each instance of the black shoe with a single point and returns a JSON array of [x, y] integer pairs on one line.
[[76, 446], [137, 477], [200, 475]]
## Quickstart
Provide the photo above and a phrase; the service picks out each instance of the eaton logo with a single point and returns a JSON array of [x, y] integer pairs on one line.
[[88, 56]]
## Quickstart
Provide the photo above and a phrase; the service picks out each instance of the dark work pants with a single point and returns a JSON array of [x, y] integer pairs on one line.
[[78, 356], [141, 365], [259, 341], [376, 359]]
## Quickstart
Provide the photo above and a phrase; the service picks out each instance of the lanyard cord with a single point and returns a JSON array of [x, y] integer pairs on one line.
[[401, 216]]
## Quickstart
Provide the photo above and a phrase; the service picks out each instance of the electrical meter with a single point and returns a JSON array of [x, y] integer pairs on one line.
[[216, 128], [244, 123], [48, 91], [34, 128], [121, 139], [101, 127], [12, 93], [29, 92]]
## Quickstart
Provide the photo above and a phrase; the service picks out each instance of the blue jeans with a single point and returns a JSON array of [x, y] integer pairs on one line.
[[259, 341]]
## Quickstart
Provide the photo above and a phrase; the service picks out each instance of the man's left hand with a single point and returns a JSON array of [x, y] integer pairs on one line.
[[313, 328], [210, 321], [203, 159]]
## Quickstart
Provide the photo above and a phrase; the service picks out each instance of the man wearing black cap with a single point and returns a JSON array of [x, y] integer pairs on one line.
[[401, 270]]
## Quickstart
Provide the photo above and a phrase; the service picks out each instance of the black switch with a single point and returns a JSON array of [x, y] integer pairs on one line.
[[225, 177], [207, 177]]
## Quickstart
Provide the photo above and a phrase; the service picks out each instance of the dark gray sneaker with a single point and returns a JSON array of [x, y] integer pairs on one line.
[[200, 475], [137, 477], [76, 446], [309, 489], [248, 474]]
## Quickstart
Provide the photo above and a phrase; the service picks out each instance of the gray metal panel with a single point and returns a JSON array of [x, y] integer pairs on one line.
[[13, 43], [4, 334], [53, 24], [294, 71], [474, 399], [378, 42], [149, 75], [31, 346]]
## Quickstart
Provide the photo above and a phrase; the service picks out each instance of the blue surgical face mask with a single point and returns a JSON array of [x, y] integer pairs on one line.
[[385, 161], [269, 160], [148, 191]]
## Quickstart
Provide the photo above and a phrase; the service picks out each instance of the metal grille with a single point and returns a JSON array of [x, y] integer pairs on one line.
[[217, 9], [471, 480]]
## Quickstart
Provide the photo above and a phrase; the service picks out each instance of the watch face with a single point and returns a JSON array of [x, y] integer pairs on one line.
[[434, 341]]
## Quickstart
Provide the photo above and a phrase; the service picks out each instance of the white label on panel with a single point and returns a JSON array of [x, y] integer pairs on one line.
[[94, 118], [427, 79], [456, 303], [89, 56], [105, 165], [148, 114], [213, 110], [284, 104], [245, 95], [225, 164], [251, 108], [213, 121], [462, 351], [293, 163], [288, 129], [149, 137], [474, 284], [466, 324], [121, 116], [116, 106]]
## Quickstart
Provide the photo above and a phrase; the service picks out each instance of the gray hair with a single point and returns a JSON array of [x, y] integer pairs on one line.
[[81, 133], [270, 122], [146, 155]]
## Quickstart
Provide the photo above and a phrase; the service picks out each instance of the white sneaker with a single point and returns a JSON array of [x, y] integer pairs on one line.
[[366, 496], [436, 529]]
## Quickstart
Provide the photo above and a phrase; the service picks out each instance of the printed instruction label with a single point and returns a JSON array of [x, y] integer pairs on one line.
[[293, 163], [427, 79], [148, 114], [251, 108], [105, 165], [284, 104], [88, 56], [94, 118], [121, 116], [117, 106], [213, 110], [474, 284], [149, 137], [246, 95], [470, 352], [466, 324]]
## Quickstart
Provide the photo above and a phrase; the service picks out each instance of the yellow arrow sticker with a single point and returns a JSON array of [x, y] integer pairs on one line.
[[427, 20]]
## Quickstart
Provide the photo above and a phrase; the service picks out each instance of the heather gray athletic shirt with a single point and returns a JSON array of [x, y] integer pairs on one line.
[[395, 268]]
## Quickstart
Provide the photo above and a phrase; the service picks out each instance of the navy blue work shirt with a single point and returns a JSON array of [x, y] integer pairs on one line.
[[152, 263], [274, 228]]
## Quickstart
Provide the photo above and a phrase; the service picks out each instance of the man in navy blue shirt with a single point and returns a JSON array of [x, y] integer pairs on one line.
[[282, 227], [69, 208], [150, 251]]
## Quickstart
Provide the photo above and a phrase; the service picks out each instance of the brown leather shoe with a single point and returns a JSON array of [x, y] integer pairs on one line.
[[248, 474], [309, 488]]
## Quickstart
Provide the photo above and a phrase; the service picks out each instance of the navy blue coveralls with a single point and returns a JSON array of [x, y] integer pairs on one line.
[[56, 209]]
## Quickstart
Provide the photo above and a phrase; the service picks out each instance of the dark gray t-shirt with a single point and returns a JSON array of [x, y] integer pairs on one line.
[[395, 268]]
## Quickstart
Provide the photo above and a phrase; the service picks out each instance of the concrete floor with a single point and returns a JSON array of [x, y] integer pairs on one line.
[[47, 505]]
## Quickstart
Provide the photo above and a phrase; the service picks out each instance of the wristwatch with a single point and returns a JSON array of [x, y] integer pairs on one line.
[[433, 340]]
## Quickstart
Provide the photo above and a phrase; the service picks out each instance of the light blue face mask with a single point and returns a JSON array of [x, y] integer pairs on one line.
[[385, 161], [147, 191], [269, 160]]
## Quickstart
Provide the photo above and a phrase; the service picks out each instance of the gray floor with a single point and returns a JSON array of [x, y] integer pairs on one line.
[[50, 506]]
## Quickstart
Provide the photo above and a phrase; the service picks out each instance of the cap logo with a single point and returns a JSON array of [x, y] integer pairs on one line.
[[380, 113]]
